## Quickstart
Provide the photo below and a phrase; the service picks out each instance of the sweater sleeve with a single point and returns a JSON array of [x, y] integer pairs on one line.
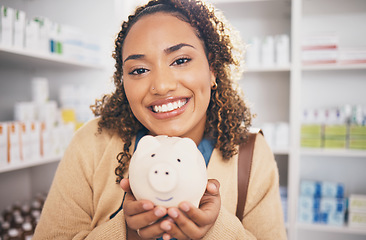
[[228, 226], [263, 215], [68, 211]]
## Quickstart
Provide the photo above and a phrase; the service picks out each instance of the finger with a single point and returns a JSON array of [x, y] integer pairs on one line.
[[152, 231], [125, 185], [146, 218], [171, 230], [213, 187], [185, 226]]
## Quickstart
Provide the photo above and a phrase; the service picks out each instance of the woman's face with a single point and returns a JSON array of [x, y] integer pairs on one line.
[[166, 76]]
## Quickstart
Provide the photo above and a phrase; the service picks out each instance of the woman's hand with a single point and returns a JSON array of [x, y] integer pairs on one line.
[[142, 217], [191, 222]]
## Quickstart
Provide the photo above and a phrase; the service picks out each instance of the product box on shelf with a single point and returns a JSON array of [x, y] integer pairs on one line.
[[25, 111], [25, 140], [7, 24], [252, 54], [19, 29], [55, 39], [276, 134], [282, 53], [3, 143], [321, 189], [311, 135], [357, 137], [357, 203], [320, 48], [357, 211], [335, 136], [321, 202], [15, 154], [352, 56], [44, 33], [35, 142], [269, 51], [31, 35], [357, 220]]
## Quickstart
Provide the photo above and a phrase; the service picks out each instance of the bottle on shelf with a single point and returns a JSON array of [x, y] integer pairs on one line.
[[27, 231], [14, 234]]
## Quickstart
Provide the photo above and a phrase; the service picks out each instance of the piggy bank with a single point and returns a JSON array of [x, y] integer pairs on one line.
[[167, 170]]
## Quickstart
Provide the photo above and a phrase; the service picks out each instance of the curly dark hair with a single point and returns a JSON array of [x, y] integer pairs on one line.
[[228, 117]]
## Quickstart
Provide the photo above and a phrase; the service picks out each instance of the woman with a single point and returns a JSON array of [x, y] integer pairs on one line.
[[175, 72]]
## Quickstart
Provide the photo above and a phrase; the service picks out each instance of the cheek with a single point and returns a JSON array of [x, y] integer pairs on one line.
[[131, 91]]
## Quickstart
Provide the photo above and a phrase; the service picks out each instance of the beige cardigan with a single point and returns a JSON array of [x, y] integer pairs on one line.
[[84, 193]]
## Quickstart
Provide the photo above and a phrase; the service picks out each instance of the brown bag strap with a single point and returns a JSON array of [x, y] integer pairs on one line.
[[244, 168]]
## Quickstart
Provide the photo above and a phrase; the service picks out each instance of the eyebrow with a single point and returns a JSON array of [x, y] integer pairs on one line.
[[134, 56], [177, 47], [167, 51]]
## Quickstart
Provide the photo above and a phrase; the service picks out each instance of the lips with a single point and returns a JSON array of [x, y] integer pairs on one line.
[[168, 107]]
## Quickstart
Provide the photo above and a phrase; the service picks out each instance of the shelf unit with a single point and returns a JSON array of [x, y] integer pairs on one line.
[[30, 59], [22, 181], [29, 164], [303, 85]]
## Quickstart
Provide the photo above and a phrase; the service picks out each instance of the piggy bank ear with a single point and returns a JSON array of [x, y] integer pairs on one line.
[[186, 146], [147, 143]]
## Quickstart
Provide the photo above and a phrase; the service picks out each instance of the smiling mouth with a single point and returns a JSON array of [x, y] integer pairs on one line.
[[164, 200], [169, 106]]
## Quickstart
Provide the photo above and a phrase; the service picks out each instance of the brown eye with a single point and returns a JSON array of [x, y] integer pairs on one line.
[[153, 155], [178, 160]]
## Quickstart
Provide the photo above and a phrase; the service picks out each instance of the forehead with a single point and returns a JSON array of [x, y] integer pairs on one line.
[[160, 30]]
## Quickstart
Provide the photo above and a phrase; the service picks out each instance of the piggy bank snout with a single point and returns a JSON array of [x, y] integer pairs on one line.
[[163, 177]]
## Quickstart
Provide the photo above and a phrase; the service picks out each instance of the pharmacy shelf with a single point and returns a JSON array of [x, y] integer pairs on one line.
[[332, 229], [327, 67], [29, 164], [10, 56], [268, 69], [333, 152]]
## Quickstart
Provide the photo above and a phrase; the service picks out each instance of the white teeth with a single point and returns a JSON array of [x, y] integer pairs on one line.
[[169, 107]]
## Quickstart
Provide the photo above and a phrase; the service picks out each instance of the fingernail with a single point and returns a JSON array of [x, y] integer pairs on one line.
[[159, 213], [173, 213], [166, 236], [184, 207], [165, 226], [147, 206], [212, 187]]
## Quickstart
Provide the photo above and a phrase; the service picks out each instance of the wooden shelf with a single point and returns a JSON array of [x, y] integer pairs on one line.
[[28, 164], [13, 57]]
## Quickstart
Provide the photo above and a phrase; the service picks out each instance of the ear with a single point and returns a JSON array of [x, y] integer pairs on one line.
[[213, 78], [148, 143]]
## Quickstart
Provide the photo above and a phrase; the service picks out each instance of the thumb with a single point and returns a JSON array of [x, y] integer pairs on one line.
[[213, 186], [125, 185]]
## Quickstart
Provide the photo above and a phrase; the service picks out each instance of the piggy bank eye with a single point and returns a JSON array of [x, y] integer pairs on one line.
[[153, 155], [179, 160]]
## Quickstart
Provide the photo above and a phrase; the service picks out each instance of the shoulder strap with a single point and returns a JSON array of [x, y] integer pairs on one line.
[[244, 168]]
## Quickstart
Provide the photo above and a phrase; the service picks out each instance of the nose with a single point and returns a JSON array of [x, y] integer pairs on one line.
[[163, 177], [163, 81]]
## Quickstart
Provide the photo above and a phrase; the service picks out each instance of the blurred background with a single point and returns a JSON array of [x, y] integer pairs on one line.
[[304, 80]]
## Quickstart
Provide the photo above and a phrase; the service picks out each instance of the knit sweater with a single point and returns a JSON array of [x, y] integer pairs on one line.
[[84, 193]]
